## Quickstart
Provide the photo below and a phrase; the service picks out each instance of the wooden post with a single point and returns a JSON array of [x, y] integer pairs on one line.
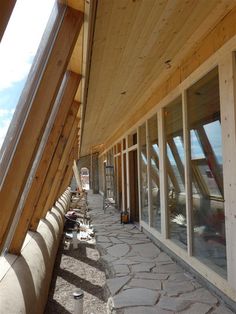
[[43, 195], [68, 171], [148, 150], [32, 131], [163, 176], [72, 140], [62, 116], [227, 72], [188, 182]]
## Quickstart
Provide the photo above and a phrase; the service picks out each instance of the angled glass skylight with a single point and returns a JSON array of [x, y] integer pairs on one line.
[[17, 51]]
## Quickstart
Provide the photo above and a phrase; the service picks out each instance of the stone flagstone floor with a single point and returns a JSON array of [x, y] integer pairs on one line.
[[141, 279]]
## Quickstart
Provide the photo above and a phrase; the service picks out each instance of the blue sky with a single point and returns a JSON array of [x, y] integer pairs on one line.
[[17, 50]]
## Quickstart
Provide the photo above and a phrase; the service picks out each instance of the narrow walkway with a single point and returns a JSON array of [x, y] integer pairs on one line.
[[132, 275], [141, 279]]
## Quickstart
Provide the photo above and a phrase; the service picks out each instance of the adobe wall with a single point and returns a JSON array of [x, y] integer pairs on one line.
[[25, 279]]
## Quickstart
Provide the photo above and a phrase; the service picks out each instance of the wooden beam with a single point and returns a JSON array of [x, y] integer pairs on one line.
[[7, 7], [52, 197], [63, 115], [43, 195], [32, 130], [67, 176]]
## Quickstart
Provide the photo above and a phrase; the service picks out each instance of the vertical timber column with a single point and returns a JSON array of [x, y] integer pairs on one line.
[[60, 171], [95, 182], [163, 175], [39, 205], [227, 72]]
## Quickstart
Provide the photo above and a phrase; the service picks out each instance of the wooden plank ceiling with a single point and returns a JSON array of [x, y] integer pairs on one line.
[[138, 44]]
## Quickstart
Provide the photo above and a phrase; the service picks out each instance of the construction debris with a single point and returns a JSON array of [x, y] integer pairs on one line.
[[77, 220]]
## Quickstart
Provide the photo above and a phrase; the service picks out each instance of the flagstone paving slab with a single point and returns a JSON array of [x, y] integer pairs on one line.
[[121, 269], [200, 295], [173, 304], [174, 288], [197, 308], [168, 269], [102, 238], [104, 245], [149, 275], [135, 297], [118, 250], [146, 310], [146, 250], [115, 284], [142, 267], [145, 283]]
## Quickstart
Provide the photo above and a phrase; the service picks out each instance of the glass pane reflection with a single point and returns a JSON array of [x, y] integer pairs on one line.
[[143, 173], [175, 171], [154, 173], [206, 143]]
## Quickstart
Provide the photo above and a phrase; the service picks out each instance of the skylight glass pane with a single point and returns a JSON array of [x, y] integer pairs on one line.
[[213, 131], [17, 51], [196, 149], [180, 147]]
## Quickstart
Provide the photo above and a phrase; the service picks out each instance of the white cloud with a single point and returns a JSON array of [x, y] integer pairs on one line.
[[6, 112], [21, 39], [3, 129]]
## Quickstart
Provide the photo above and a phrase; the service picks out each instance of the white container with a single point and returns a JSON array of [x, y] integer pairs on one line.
[[78, 301]]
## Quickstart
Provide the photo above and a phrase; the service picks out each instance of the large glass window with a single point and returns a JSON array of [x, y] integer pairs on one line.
[[176, 197], [17, 51], [207, 172], [154, 173], [143, 173]]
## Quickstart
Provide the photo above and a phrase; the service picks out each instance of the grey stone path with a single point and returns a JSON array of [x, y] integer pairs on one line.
[[141, 279]]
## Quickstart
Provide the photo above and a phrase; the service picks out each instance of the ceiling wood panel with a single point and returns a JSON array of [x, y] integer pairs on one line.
[[137, 45]]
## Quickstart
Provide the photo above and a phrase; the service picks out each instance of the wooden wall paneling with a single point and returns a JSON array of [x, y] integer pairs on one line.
[[52, 196], [66, 109], [29, 138], [219, 35], [39, 205], [7, 7]]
